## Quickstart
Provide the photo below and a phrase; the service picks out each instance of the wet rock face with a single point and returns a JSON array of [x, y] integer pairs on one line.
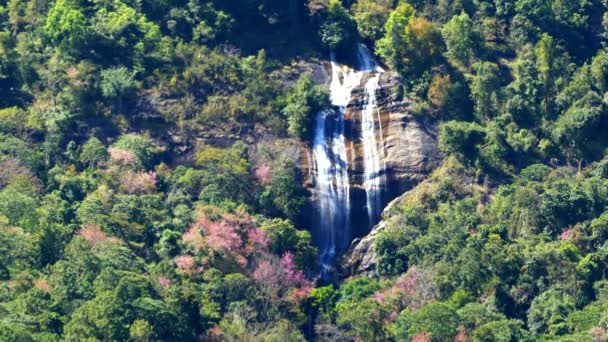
[[407, 148], [408, 143]]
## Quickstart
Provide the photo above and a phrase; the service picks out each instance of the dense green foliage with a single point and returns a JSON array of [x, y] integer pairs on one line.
[[149, 187]]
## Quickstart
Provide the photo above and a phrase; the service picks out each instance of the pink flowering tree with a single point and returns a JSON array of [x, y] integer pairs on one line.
[[280, 280], [187, 265], [123, 157], [567, 234], [412, 290], [422, 337], [232, 235], [138, 182], [461, 336], [95, 236], [263, 174]]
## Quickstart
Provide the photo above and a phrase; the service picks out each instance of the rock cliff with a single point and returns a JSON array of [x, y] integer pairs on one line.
[[407, 145]]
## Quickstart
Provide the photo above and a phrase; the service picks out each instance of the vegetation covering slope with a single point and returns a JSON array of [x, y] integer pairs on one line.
[[118, 223]]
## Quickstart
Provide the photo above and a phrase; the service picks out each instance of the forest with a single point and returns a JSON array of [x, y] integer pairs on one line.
[[149, 189]]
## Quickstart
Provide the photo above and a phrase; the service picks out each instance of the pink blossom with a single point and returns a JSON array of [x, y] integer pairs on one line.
[[223, 236], [185, 263], [122, 157], [257, 238], [411, 290], [11, 168], [292, 276], [43, 285], [567, 234], [280, 279], [163, 282], [422, 337], [215, 334], [462, 335], [598, 334], [380, 297], [138, 182], [234, 235], [265, 271], [263, 174], [298, 294], [94, 235], [194, 238], [241, 260]]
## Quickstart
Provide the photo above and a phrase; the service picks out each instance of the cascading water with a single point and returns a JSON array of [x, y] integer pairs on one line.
[[332, 181], [373, 169]]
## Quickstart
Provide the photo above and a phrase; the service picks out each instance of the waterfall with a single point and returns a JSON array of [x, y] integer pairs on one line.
[[373, 170], [332, 182]]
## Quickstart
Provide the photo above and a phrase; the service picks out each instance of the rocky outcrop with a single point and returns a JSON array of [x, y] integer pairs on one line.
[[360, 258], [407, 145]]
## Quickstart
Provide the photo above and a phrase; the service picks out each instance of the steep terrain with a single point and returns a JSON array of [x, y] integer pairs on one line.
[[291, 170]]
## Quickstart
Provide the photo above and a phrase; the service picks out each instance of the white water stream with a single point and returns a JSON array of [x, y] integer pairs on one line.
[[332, 182]]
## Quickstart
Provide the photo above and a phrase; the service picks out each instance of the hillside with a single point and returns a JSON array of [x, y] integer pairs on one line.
[[303, 170]]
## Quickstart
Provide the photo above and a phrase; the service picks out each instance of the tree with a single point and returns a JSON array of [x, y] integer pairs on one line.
[[140, 331], [117, 84], [338, 31], [546, 56], [500, 331], [65, 25], [461, 39], [284, 193], [123, 34], [450, 99], [19, 206], [303, 103], [437, 319], [140, 146], [410, 44], [548, 313], [17, 249], [226, 174], [363, 320], [460, 138], [93, 153], [579, 127], [284, 237], [371, 16], [525, 93], [391, 45], [423, 45], [485, 90], [11, 121]]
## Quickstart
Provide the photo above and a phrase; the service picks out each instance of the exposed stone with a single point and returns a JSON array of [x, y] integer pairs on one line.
[[408, 146], [409, 143], [360, 258], [290, 74]]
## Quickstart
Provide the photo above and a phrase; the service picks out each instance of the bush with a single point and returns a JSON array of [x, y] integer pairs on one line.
[[437, 319], [142, 147], [304, 102], [338, 31], [460, 138]]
